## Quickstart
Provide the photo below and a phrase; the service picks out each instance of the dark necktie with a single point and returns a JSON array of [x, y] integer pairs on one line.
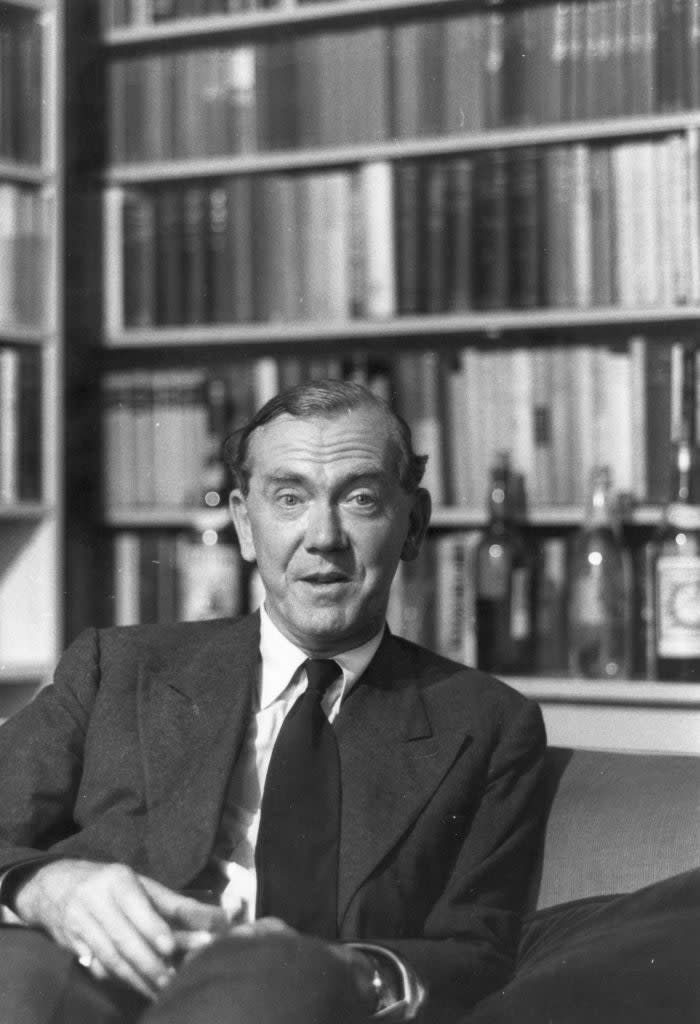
[[296, 854]]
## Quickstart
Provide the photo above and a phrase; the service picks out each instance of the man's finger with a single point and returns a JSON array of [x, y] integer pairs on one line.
[[183, 910]]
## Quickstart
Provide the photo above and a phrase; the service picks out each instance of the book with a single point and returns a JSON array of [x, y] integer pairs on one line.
[[602, 227], [493, 46], [557, 227], [30, 423], [491, 240], [240, 246], [139, 258], [9, 425], [194, 255], [460, 198], [437, 235], [525, 227], [463, 109], [8, 241], [582, 252], [409, 220], [169, 267], [405, 55], [377, 185]]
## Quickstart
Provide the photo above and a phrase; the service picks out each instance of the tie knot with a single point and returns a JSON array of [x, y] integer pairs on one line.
[[321, 672]]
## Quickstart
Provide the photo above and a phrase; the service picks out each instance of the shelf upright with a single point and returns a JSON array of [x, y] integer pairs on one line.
[[31, 525]]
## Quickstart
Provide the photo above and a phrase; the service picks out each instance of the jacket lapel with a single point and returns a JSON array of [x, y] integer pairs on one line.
[[193, 716], [392, 761]]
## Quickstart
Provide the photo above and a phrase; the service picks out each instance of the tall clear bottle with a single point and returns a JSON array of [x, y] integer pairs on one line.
[[599, 599], [675, 550], [504, 580]]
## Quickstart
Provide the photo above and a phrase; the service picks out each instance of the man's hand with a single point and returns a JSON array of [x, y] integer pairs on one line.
[[131, 927]]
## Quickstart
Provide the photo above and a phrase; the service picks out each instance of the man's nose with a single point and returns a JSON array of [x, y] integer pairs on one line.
[[324, 529]]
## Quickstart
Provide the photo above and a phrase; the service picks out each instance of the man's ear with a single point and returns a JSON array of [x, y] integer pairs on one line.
[[418, 524], [241, 521]]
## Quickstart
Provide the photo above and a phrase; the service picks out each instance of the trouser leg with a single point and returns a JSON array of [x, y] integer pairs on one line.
[[41, 983], [273, 979]]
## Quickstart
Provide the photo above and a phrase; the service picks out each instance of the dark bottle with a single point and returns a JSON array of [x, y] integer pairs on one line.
[[599, 598], [504, 581], [675, 550], [210, 562]]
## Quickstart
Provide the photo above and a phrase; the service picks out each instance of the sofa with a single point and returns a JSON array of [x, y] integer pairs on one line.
[[613, 930], [616, 822]]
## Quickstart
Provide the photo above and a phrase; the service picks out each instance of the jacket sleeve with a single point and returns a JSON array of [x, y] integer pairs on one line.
[[41, 758], [470, 937]]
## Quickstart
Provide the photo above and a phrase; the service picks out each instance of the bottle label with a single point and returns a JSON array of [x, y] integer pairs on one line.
[[678, 604], [520, 619]]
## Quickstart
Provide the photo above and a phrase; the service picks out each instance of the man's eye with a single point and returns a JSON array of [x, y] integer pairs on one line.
[[363, 498], [288, 499]]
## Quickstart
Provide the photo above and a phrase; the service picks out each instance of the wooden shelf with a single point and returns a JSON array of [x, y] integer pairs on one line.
[[20, 675], [20, 334], [24, 5], [491, 325], [600, 691], [21, 173], [258, 22], [427, 146], [29, 511], [154, 517]]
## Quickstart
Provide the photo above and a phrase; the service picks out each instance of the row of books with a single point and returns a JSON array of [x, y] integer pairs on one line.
[[20, 425], [20, 86], [120, 13], [166, 576], [458, 73], [170, 577], [274, 248], [559, 410], [564, 226], [157, 425], [24, 249]]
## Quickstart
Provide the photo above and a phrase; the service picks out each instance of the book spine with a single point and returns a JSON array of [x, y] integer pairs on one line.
[[491, 285], [138, 259], [461, 219], [409, 224], [9, 425], [378, 185], [524, 218], [30, 427]]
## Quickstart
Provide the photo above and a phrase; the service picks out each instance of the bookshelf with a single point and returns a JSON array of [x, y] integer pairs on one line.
[[31, 347], [608, 91]]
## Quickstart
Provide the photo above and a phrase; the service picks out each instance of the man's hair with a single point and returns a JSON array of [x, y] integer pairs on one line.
[[327, 398]]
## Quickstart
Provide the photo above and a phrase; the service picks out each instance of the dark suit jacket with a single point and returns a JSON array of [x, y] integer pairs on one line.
[[127, 756]]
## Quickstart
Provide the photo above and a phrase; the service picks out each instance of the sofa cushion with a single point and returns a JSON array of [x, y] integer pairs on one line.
[[608, 959], [617, 822]]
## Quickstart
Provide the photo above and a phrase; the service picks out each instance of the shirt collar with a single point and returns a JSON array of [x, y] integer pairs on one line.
[[281, 659]]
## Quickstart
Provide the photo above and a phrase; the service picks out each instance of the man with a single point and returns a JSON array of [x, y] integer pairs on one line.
[[164, 759]]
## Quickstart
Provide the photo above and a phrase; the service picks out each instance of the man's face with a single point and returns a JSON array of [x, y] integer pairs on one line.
[[327, 522]]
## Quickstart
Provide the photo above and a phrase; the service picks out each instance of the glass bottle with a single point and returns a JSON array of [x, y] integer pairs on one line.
[[504, 580], [599, 598], [210, 563], [675, 550]]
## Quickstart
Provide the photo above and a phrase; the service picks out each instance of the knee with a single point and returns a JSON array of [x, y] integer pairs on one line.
[[34, 972], [272, 979]]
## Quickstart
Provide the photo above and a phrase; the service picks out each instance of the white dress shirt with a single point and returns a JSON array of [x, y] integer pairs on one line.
[[281, 682]]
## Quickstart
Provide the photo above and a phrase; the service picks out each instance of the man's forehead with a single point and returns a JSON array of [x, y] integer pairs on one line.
[[360, 435]]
